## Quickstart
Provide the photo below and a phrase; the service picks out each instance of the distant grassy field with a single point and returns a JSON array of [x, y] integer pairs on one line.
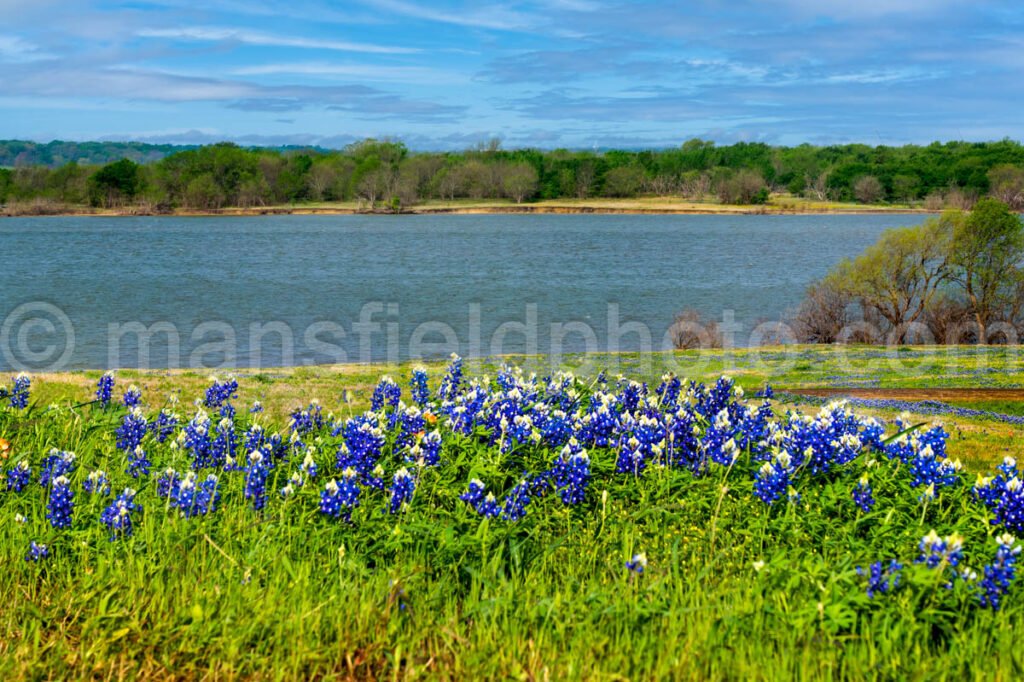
[[636, 554]]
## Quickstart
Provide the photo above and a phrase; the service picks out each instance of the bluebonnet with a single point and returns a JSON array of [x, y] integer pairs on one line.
[[418, 386], [862, 495], [573, 477], [220, 392], [97, 483], [386, 394], [257, 407], [427, 452], [57, 463], [882, 580], [164, 425], [194, 499], [1000, 573], [61, 503], [132, 430], [1009, 508], [475, 494], [638, 564], [514, 506], [304, 420], [937, 551], [132, 397], [773, 478], [484, 504], [36, 552], [338, 500], [402, 487], [19, 476], [167, 483], [364, 440], [452, 380], [117, 517], [256, 480], [104, 388], [195, 438], [18, 396]]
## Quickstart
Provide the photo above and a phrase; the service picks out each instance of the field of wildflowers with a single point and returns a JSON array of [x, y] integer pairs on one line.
[[544, 527]]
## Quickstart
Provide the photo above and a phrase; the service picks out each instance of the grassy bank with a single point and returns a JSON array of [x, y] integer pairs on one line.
[[631, 562], [781, 204]]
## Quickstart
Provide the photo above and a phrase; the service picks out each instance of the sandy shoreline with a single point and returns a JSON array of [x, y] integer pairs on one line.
[[524, 209]]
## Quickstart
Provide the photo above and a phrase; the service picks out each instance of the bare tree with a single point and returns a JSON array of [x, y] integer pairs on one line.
[[868, 189], [823, 314]]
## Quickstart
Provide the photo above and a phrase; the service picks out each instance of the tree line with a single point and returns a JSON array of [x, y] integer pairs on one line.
[[384, 174], [957, 278]]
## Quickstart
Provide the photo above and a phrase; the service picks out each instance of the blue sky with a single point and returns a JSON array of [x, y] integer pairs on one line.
[[554, 73]]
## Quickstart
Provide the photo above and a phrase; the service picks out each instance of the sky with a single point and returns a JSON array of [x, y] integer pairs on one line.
[[543, 73]]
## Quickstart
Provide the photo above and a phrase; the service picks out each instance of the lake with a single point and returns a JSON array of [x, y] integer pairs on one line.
[[90, 292]]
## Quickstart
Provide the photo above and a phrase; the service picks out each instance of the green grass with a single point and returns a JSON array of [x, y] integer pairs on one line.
[[437, 593]]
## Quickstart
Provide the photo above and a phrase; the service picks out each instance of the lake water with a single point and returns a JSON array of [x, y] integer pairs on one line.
[[302, 289]]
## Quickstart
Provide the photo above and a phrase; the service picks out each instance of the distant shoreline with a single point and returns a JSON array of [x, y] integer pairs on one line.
[[546, 208]]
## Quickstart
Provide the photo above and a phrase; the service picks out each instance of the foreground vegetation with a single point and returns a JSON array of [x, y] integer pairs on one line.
[[384, 175], [664, 530]]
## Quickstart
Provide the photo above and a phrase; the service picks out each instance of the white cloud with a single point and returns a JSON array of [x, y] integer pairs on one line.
[[219, 35], [399, 74]]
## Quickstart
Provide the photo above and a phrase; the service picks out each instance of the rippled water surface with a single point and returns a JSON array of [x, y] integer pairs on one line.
[[305, 281]]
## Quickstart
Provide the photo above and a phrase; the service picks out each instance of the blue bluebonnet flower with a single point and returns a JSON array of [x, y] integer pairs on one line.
[[256, 480], [57, 463], [767, 392], [339, 500], [257, 407], [36, 552], [307, 419], [19, 476], [638, 564], [386, 394], [642, 440], [196, 439], [220, 392], [167, 483], [1009, 508], [402, 487], [164, 425], [364, 440], [132, 397], [514, 506], [61, 503], [132, 430], [427, 452], [1000, 573], [475, 494], [862, 494], [418, 386], [18, 396], [577, 478], [117, 517], [882, 580], [937, 551], [97, 483], [668, 391], [773, 478], [452, 380], [196, 499], [104, 388]]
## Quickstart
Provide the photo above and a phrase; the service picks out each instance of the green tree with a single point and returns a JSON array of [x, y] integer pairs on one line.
[[520, 182], [898, 275], [986, 252], [623, 181], [115, 183]]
